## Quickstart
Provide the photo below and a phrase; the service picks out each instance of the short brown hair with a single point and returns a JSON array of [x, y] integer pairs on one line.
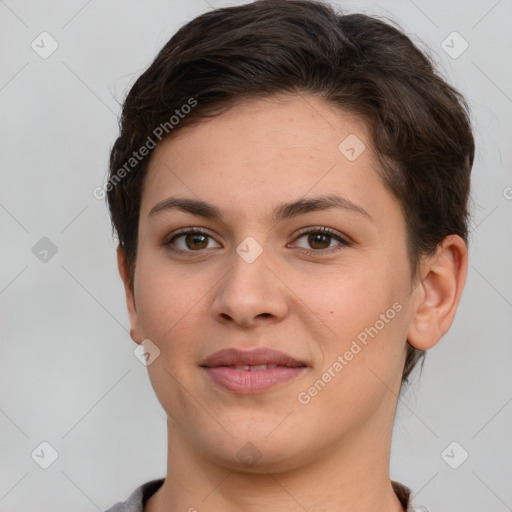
[[419, 123]]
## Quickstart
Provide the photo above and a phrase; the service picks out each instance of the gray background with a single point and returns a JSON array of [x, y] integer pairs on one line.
[[68, 374]]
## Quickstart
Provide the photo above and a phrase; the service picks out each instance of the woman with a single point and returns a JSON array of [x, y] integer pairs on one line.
[[290, 191]]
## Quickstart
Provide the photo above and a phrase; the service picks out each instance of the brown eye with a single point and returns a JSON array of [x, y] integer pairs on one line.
[[319, 240], [191, 240], [196, 241]]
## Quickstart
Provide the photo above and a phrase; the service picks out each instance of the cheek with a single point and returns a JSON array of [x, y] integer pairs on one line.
[[348, 300], [171, 310], [361, 366], [364, 317], [169, 303]]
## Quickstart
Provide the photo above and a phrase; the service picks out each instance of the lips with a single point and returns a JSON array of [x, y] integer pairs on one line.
[[260, 358], [250, 372]]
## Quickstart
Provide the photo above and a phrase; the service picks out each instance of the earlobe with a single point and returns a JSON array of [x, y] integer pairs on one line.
[[130, 297], [439, 292]]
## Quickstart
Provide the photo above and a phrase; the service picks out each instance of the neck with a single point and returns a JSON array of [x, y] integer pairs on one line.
[[351, 476]]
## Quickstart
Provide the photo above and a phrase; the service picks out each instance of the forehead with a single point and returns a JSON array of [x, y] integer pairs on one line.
[[302, 123], [266, 150]]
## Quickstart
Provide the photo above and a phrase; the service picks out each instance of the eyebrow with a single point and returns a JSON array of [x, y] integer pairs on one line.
[[280, 213]]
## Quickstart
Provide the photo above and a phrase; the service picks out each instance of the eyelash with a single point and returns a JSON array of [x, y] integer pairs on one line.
[[343, 241]]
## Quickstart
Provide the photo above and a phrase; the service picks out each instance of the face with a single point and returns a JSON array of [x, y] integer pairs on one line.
[[292, 244]]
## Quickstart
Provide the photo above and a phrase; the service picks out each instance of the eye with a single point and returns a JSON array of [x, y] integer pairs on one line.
[[191, 240], [315, 240], [320, 239]]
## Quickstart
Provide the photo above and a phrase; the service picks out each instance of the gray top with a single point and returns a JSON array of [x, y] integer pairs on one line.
[[139, 497]]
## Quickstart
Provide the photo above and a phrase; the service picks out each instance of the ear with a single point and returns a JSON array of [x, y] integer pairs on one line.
[[130, 297], [438, 293]]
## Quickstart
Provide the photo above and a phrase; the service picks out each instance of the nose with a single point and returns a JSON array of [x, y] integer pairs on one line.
[[250, 293]]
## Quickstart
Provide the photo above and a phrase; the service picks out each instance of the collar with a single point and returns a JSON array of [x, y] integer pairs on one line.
[[139, 497]]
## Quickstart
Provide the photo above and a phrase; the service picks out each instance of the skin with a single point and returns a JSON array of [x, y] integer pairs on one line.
[[333, 452]]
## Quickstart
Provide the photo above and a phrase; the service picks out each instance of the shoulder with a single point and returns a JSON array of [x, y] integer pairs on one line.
[[135, 502], [407, 499]]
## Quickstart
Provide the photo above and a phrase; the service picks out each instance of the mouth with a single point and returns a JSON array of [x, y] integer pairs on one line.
[[259, 358], [249, 368], [254, 371]]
